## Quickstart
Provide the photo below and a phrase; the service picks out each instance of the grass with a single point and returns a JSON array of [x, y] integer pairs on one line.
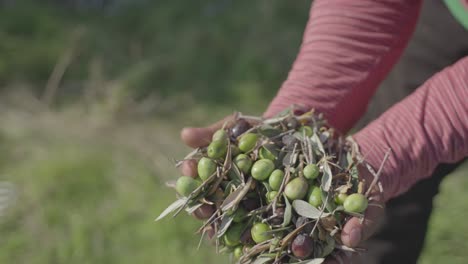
[[92, 197]]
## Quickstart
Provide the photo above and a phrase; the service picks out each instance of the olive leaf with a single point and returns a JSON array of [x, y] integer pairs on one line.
[[225, 224], [305, 209], [235, 174], [193, 208], [327, 176], [262, 260], [329, 245], [317, 143], [314, 261], [235, 197], [287, 212], [173, 207]]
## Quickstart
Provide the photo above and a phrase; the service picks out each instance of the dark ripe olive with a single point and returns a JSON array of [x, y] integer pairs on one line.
[[356, 203], [340, 198], [251, 204], [270, 196], [239, 215], [278, 219], [233, 235], [311, 171], [315, 196], [220, 134], [247, 142], [265, 153], [296, 189], [259, 234], [291, 122], [217, 149], [243, 162], [204, 212], [262, 169], [239, 128], [276, 179], [246, 237], [185, 185], [302, 246], [206, 168], [307, 130], [238, 252]]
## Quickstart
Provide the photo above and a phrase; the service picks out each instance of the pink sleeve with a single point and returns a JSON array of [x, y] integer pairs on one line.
[[347, 50], [427, 128]]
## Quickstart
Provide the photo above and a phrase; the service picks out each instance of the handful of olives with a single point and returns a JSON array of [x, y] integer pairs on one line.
[[273, 190]]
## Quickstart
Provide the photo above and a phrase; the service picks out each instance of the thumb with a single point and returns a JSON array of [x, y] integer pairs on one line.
[[357, 230], [201, 136]]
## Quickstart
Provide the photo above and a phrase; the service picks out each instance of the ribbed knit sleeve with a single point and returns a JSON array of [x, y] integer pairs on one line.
[[427, 128], [348, 48]]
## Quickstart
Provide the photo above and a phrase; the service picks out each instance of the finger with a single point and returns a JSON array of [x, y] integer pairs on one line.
[[201, 136], [357, 230], [189, 168]]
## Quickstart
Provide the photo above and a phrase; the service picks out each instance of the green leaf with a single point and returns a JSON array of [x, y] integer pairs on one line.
[[262, 260], [235, 197], [287, 212], [317, 143], [327, 177], [314, 261], [225, 224], [173, 207], [307, 210]]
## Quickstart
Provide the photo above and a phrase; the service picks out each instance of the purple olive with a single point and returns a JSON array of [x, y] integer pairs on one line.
[[239, 128], [302, 246], [204, 212]]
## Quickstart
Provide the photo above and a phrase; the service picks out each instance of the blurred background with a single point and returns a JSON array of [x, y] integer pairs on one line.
[[93, 94]]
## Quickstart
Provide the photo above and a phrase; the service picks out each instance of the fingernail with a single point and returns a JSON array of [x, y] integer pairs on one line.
[[355, 237]]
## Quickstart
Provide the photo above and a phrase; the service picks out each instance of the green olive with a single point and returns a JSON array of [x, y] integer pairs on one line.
[[262, 169], [217, 149], [296, 189], [234, 150], [206, 168], [265, 153], [258, 232], [239, 215], [243, 162], [356, 203], [238, 252], [307, 130], [220, 135], [340, 198], [311, 171], [185, 185], [233, 234], [276, 179], [271, 196], [247, 142], [315, 196]]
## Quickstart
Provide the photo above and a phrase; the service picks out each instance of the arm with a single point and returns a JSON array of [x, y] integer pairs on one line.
[[427, 128], [347, 50]]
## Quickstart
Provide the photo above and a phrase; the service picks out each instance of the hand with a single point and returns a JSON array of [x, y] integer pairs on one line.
[[354, 232]]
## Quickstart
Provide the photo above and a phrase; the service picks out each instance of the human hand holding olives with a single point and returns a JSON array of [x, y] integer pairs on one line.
[[354, 232]]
